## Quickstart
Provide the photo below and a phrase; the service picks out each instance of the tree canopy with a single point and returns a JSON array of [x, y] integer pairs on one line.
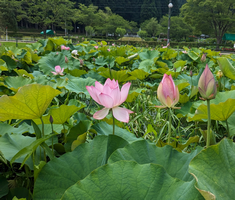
[[211, 17]]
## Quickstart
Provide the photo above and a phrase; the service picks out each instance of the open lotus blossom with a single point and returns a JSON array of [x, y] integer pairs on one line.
[[207, 85], [108, 49], [184, 52], [75, 52], [110, 96], [168, 93], [58, 70], [96, 47], [64, 47]]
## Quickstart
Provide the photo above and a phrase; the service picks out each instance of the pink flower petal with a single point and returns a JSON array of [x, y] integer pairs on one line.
[[54, 73], [99, 86], [106, 100], [121, 114], [94, 93], [101, 114], [116, 96], [107, 90], [124, 92]]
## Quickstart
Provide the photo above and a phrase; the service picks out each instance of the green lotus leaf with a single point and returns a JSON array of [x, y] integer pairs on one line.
[[24, 73], [47, 63], [101, 61], [103, 128], [220, 112], [180, 63], [121, 60], [11, 144], [4, 186], [149, 55], [184, 98], [61, 173], [162, 65], [78, 85], [139, 74], [226, 67], [15, 82], [60, 115], [30, 102], [169, 54], [142, 152], [130, 180], [147, 66], [11, 63], [77, 72], [193, 55], [133, 94], [6, 128], [214, 170], [121, 76], [3, 66]]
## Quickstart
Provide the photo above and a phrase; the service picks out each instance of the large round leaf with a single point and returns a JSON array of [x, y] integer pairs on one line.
[[59, 174], [149, 55], [175, 163], [78, 85], [129, 180], [226, 67], [103, 128], [214, 169], [30, 102], [47, 63], [221, 108]]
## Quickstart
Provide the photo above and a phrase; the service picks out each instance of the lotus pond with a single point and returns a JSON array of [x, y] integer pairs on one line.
[[100, 121]]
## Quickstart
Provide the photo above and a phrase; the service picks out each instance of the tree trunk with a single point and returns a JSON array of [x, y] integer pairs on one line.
[[218, 42], [44, 32], [75, 27]]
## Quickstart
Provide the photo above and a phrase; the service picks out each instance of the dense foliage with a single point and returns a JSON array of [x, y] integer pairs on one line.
[[53, 147]]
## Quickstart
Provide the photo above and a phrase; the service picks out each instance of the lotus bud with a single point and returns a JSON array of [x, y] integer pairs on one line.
[[191, 73], [93, 59], [66, 59], [167, 92], [51, 119], [203, 58], [81, 62], [174, 69], [207, 85], [219, 74]]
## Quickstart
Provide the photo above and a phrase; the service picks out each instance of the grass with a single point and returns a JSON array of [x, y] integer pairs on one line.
[[9, 44]]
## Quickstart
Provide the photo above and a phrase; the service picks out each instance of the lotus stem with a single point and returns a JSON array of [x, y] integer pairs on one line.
[[208, 123], [227, 128], [169, 126], [113, 125], [52, 142]]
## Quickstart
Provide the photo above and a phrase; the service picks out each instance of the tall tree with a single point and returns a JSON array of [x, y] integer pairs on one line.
[[49, 13], [179, 29], [8, 14], [217, 16]]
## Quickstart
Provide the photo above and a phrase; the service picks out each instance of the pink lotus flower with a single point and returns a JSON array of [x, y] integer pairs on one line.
[[110, 96], [168, 93], [184, 52], [113, 44], [64, 47], [96, 47], [58, 70], [207, 85], [108, 49]]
